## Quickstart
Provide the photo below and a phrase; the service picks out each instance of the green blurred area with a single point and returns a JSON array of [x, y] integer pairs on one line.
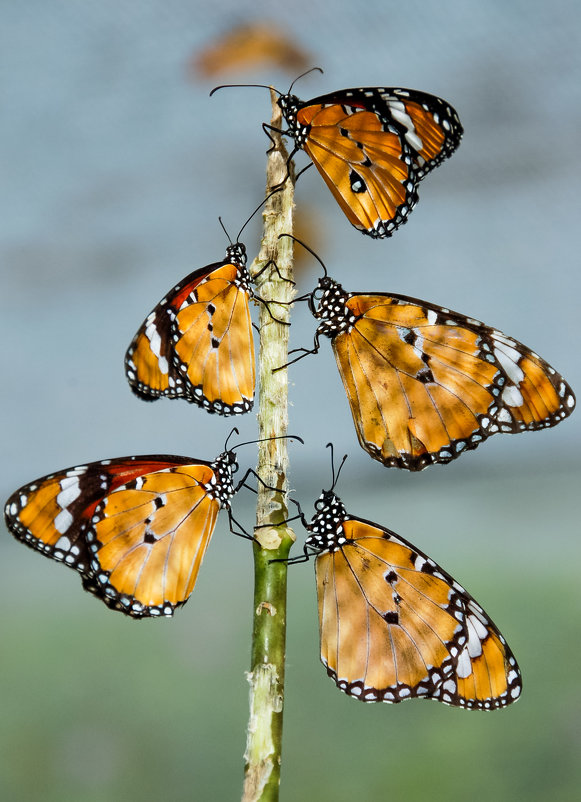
[[96, 707]]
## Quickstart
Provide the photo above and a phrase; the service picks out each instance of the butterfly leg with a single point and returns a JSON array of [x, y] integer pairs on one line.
[[274, 264], [241, 532], [304, 170], [251, 472], [267, 129], [267, 305], [303, 353], [301, 558]]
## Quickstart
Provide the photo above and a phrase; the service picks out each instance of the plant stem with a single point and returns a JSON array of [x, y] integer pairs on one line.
[[266, 677]]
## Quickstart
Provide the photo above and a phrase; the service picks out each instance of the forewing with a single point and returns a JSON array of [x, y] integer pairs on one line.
[[431, 126], [197, 343], [135, 528]]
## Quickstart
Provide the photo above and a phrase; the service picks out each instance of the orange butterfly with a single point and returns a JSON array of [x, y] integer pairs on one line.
[[135, 528], [393, 625], [426, 384], [372, 147], [197, 343]]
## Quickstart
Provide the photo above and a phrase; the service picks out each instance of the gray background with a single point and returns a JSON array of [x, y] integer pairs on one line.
[[114, 166]]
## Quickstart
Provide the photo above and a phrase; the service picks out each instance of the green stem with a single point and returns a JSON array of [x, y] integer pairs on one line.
[[266, 677]]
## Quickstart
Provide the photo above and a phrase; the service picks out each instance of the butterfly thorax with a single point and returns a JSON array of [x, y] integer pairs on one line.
[[236, 254], [326, 526], [289, 105], [221, 486], [332, 309]]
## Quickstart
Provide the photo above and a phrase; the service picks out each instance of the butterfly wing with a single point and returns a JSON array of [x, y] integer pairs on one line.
[[197, 343], [368, 169], [372, 146], [135, 528], [425, 384], [394, 626]]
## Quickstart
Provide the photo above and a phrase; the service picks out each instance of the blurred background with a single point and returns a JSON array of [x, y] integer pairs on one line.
[[115, 165]]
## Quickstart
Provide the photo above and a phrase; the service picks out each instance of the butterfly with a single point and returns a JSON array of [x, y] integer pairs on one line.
[[197, 343], [373, 146], [135, 528], [426, 384], [393, 625]]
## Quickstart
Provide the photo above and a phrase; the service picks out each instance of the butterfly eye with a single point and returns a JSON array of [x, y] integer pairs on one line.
[[319, 504]]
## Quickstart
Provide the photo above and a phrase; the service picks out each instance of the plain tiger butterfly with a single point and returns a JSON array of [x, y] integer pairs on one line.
[[135, 528], [393, 625], [373, 146], [426, 384], [197, 343]]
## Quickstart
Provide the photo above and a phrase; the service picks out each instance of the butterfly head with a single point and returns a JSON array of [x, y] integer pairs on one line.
[[289, 105], [236, 254]]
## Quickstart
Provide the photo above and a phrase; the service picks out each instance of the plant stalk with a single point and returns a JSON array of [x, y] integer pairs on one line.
[[266, 676]]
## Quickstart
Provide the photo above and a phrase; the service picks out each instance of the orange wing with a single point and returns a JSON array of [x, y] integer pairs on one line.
[[135, 528], [372, 146], [395, 626], [197, 343], [425, 384], [368, 169]]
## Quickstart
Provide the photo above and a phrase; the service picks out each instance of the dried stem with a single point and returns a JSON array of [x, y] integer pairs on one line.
[[266, 677]]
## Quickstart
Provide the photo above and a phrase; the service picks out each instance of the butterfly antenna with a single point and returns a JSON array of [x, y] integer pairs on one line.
[[265, 439], [231, 243], [310, 250], [260, 205], [335, 476], [302, 75], [234, 428], [261, 86]]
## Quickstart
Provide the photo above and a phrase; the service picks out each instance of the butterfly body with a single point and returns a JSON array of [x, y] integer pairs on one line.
[[197, 344], [372, 147], [135, 528], [394, 625], [426, 384]]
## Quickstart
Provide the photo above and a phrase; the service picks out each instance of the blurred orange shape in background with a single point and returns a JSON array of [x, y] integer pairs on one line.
[[249, 45]]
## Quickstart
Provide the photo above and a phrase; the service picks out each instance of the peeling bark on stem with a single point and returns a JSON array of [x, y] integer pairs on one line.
[[266, 677]]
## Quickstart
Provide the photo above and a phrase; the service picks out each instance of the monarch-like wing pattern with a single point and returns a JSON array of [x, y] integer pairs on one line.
[[372, 146], [368, 170], [215, 346], [197, 343], [425, 384], [135, 528], [394, 625]]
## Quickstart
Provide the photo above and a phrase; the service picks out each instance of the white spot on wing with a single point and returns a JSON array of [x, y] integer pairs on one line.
[[512, 397], [69, 491], [63, 543], [63, 521], [477, 632], [508, 359], [464, 667]]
